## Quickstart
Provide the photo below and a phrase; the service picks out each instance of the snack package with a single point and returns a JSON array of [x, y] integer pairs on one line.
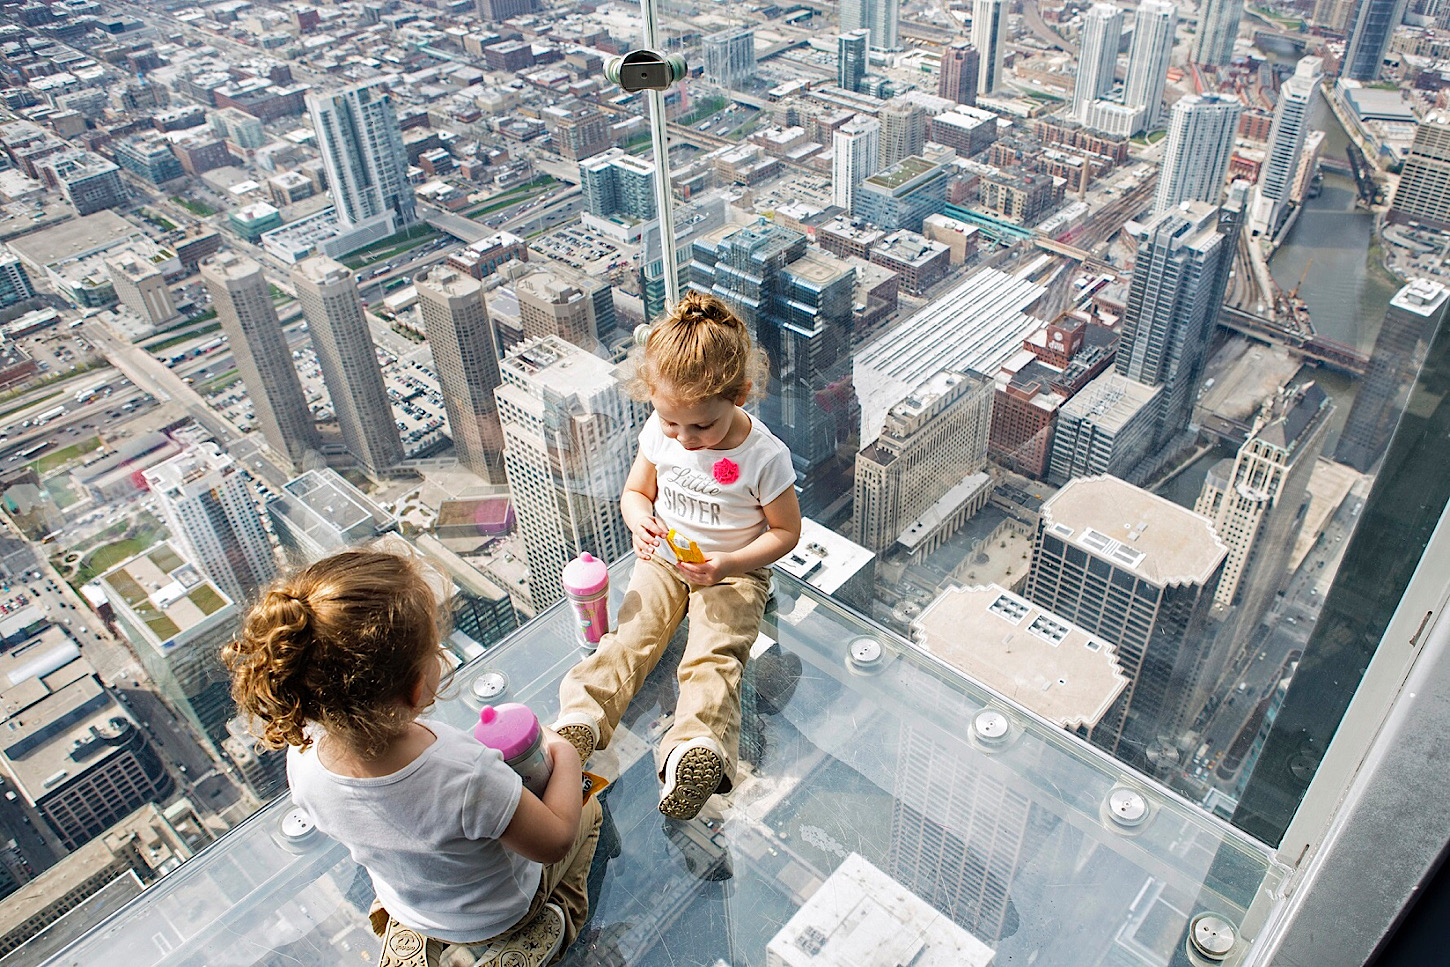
[[676, 548]]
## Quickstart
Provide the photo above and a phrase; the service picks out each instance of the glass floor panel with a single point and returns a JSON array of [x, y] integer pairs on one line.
[[870, 825]]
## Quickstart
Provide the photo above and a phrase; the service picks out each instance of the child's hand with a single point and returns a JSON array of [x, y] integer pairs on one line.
[[714, 569], [558, 746], [647, 533]]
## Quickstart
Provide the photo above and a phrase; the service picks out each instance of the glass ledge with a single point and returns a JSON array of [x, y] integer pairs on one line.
[[1002, 841]]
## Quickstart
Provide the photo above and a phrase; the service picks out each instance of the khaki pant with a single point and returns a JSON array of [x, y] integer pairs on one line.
[[565, 883], [724, 623]]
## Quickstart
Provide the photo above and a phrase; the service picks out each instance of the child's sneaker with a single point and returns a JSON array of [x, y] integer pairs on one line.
[[403, 947], [582, 735], [693, 771], [532, 944]]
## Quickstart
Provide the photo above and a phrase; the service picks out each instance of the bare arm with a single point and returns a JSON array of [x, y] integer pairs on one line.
[[543, 830], [783, 523], [637, 506]]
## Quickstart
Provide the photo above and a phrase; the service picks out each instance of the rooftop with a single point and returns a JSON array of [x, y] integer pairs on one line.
[[322, 501], [74, 239], [902, 172], [168, 595]]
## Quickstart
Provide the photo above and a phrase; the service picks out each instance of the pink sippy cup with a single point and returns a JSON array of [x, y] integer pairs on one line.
[[586, 582], [514, 731]]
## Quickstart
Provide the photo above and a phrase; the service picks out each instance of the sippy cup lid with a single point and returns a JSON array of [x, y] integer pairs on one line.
[[510, 728], [585, 575]]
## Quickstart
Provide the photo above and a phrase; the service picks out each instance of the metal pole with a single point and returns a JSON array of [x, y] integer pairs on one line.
[[659, 135]]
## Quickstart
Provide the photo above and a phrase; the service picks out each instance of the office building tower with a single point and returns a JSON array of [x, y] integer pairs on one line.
[[14, 280], [578, 132], [1149, 59], [1218, 28], [692, 219], [1256, 500], [263, 770], [570, 436], [1369, 39], [319, 512], [366, 163], [483, 612], [851, 59], [243, 301], [617, 183], [148, 157], [919, 480], [1333, 14], [1424, 190], [798, 305], [556, 303], [1173, 304], [465, 356], [903, 195], [1102, 31], [903, 131], [210, 506], [960, 65], [1107, 427], [88, 181], [879, 18], [1272, 195], [1414, 315], [1201, 130], [1141, 572], [72, 756], [989, 36], [730, 57], [176, 622], [141, 288], [856, 155], [328, 293]]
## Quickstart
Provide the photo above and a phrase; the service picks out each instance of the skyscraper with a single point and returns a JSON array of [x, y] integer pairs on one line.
[[797, 303], [878, 17], [1173, 305], [1102, 30], [570, 436], [465, 356], [1424, 189], [1332, 14], [1149, 59], [1218, 28], [851, 57], [730, 57], [960, 65], [366, 164], [327, 291], [1369, 38], [1411, 321], [933, 442], [1286, 142], [243, 302], [210, 506], [1201, 129], [580, 309], [141, 288], [618, 183], [856, 157], [989, 36], [1139, 571], [903, 130], [1256, 500]]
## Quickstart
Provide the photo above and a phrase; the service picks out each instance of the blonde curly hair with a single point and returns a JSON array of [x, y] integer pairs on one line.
[[701, 350]]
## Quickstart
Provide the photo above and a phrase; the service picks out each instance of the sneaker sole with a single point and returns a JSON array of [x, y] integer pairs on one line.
[[534, 945], [580, 738], [697, 776]]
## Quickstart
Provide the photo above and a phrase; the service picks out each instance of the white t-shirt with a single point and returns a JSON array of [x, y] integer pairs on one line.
[[428, 834], [716, 498]]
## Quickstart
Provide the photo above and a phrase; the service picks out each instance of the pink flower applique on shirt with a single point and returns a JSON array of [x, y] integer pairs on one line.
[[726, 472]]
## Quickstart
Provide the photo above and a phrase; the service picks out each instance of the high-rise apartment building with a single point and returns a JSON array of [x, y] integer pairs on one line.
[[879, 18], [149, 157], [1218, 28], [960, 65], [1369, 38], [1273, 193], [320, 512], [856, 157], [852, 55], [1149, 59], [579, 132], [366, 163], [141, 288], [1201, 130], [1256, 500], [915, 480], [328, 293], [730, 57], [553, 304], [465, 356], [989, 36], [1414, 315], [1139, 571], [570, 436], [1102, 31], [177, 622], [1424, 190], [903, 131], [1173, 304], [210, 506], [798, 305], [88, 181], [617, 183], [243, 301], [1107, 427], [14, 280]]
